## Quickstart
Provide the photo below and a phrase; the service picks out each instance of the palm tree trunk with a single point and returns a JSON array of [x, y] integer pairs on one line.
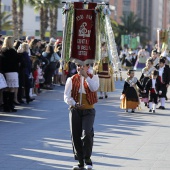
[[46, 19], [0, 15], [20, 18], [14, 16], [42, 23], [55, 22], [51, 22]]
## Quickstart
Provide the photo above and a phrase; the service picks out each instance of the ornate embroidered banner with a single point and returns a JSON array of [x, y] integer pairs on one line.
[[84, 36]]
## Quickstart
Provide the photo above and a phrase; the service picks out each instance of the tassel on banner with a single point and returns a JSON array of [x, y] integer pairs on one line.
[[139, 108], [66, 68], [121, 76], [116, 77], [100, 69]]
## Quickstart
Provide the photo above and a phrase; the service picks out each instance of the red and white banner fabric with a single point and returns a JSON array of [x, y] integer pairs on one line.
[[84, 34]]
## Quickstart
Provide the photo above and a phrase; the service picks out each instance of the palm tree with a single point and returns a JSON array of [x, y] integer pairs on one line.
[[0, 15], [53, 10], [20, 16], [131, 24], [15, 18], [48, 12], [6, 22], [42, 7]]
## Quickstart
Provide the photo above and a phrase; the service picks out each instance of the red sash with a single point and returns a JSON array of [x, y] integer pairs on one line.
[[152, 90], [160, 78]]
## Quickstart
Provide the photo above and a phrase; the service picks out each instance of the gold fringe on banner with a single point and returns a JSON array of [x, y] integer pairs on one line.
[[139, 108], [100, 69], [121, 76], [66, 66], [116, 77]]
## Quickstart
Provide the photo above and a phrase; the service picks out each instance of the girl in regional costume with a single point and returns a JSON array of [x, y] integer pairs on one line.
[[105, 72], [146, 74], [129, 97]]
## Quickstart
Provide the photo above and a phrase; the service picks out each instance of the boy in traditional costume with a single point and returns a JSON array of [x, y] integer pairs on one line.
[[105, 72], [129, 97], [81, 95], [164, 78], [153, 85]]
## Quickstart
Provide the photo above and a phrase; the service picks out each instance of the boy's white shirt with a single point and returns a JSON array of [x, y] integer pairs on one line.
[[93, 84]]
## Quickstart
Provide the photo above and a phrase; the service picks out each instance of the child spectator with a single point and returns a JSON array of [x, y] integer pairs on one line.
[[36, 78]]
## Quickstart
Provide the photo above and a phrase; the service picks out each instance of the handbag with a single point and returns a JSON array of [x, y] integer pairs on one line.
[[3, 83]]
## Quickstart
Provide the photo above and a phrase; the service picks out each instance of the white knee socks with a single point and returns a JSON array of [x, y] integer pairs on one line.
[[162, 101], [150, 105]]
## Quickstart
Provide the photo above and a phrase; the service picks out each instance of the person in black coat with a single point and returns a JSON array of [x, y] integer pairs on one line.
[[164, 78], [153, 86], [10, 67], [26, 66]]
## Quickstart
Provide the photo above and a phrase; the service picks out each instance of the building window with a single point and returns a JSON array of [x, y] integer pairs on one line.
[[37, 18], [126, 2], [7, 8]]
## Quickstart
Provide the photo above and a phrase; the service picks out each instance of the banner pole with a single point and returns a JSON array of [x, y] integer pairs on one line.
[[81, 89], [105, 3]]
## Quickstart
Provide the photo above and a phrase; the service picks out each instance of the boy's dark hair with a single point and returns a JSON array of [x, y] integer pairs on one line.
[[129, 71], [150, 60], [162, 61], [155, 73], [155, 51], [164, 58]]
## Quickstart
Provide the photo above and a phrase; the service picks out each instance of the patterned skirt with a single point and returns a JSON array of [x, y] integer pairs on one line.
[[12, 79], [106, 84], [3, 83]]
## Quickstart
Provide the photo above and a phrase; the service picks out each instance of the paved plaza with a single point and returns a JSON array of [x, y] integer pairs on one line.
[[37, 137]]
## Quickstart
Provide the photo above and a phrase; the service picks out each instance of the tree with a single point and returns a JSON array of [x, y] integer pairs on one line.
[[48, 10], [131, 24], [6, 23], [42, 7], [53, 10], [15, 18], [17, 15], [0, 15], [20, 17]]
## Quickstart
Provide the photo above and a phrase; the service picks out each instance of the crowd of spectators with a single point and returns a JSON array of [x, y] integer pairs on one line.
[[28, 66]]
